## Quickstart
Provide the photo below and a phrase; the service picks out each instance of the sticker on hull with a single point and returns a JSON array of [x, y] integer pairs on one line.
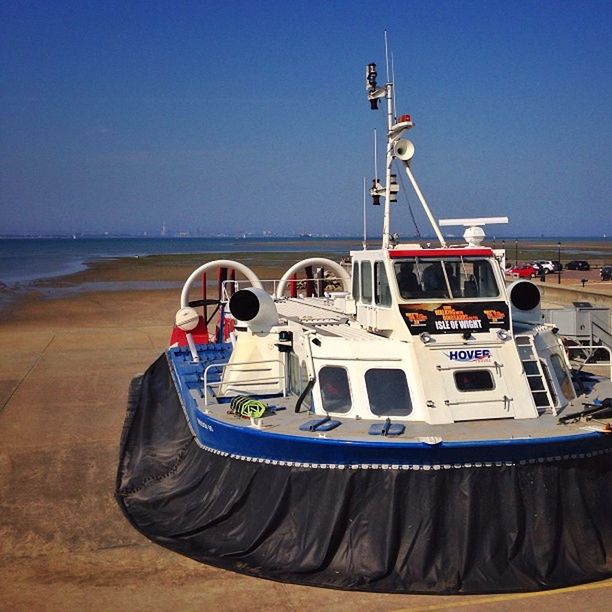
[[455, 318], [467, 355]]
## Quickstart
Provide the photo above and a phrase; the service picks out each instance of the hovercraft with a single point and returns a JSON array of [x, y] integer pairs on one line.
[[404, 423]]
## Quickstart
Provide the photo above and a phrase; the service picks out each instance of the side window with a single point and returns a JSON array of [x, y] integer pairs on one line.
[[388, 392], [298, 378], [366, 282], [485, 279], [356, 281], [293, 365], [335, 391], [474, 380], [475, 279], [382, 293]]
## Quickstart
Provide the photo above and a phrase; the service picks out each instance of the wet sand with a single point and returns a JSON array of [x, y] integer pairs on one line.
[[65, 367]]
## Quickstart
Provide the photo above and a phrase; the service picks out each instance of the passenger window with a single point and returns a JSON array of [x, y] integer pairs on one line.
[[382, 294], [366, 282], [388, 392], [335, 391], [294, 374], [355, 281], [474, 380], [298, 378]]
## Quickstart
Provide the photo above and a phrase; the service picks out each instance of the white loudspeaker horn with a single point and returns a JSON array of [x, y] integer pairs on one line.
[[404, 149]]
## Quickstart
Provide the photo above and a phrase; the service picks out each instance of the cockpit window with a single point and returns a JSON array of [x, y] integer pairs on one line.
[[427, 278]]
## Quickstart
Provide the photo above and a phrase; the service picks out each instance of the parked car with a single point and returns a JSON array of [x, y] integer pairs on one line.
[[523, 271], [606, 273], [545, 265], [578, 264], [557, 265]]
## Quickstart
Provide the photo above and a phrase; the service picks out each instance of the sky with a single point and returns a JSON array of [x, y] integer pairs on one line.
[[242, 116]]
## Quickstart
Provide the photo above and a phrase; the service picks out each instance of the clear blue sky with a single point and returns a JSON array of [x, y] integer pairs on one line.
[[248, 116]]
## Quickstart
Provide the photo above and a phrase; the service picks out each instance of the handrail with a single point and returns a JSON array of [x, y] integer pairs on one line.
[[601, 331], [240, 363], [593, 348], [274, 282]]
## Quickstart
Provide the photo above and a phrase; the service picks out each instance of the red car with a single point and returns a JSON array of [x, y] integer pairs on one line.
[[524, 271]]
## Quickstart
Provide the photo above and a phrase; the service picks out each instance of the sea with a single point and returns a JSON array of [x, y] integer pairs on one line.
[[26, 260]]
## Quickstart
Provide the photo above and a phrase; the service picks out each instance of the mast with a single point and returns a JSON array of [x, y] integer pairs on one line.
[[387, 212], [396, 147]]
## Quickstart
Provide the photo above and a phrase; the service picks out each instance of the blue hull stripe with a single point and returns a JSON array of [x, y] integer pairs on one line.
[[251, 442]]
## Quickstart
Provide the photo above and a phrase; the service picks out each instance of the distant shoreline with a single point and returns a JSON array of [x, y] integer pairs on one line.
[[281, 237], [27, 261], [167, 271], [166, 266]]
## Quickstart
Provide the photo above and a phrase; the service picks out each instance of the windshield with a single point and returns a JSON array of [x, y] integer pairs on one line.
[[421, 278]]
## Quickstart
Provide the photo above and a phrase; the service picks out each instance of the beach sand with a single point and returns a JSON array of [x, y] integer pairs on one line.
[[65, 367]]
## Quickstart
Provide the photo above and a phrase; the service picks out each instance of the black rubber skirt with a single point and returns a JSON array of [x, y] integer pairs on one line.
[[448, 531]]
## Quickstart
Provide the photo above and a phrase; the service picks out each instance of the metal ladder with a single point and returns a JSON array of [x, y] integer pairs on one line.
[[536, 377]]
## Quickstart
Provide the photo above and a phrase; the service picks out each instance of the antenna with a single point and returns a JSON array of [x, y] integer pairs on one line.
[[396, 148], [474, 234], [473, 221], [387, 55], [394, 85]]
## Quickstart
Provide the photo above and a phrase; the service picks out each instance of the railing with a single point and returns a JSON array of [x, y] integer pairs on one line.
[[590, 349], [228, 287], [602, 333], [281, 378], [505, 399]]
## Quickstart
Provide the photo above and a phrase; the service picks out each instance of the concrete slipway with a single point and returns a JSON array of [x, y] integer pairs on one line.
[[65, 368]]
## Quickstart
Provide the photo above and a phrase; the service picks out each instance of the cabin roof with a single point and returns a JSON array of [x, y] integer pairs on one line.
[[415, 250], [448, 252]]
